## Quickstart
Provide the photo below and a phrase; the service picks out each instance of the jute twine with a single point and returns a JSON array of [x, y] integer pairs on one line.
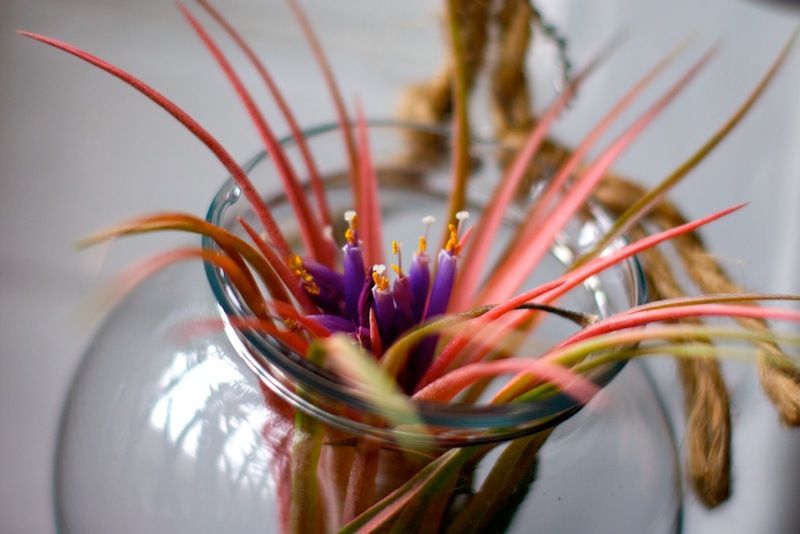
[[499, 33]]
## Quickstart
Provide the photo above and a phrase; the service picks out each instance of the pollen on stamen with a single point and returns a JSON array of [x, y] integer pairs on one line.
[[453, 245], [297, 267], [352, 220], [428, 221], [312, 288], [397, 248], [295, 263], [292, 325], [381, 281]]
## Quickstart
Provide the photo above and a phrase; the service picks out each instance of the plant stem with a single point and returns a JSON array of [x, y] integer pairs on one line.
[[493, 507], [461, 125], [305, 511], [361, 484]]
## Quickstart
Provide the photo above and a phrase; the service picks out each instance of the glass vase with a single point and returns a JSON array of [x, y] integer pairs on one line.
[[173, 425]]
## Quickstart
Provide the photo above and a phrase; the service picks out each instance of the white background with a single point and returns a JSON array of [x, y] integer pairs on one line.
[[78, 150]]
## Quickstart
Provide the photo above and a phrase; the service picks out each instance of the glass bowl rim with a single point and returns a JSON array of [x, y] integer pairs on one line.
[[489, 422]]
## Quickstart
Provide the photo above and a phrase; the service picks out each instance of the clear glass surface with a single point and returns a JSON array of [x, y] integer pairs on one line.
[[168, 430]]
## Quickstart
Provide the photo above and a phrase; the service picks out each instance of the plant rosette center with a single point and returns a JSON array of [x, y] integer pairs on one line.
[[379, 328]]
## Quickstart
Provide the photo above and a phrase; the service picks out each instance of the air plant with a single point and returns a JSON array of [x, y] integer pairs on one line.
[[438, 323]]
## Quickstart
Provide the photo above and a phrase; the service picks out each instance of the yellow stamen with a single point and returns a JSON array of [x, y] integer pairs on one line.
[[311, 289], [352, 221], [381, 281], [350, 235], [397, 250], [453, 245], [428, 220], [296, 265]]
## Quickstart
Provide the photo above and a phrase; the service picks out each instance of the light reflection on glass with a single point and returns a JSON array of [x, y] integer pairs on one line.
[[207, 410]]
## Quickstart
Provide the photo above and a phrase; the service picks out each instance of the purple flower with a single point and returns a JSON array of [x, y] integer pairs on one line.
[[404, 303], [383, 304], [348, 298], [354, 271], [419, 274]]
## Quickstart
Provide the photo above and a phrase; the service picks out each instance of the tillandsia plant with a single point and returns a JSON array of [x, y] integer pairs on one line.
[[444, 323]]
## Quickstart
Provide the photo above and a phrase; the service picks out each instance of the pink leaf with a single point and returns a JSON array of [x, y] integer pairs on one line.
[[315, 244], [536, 235], [452, 383], [294, 127], [261, 210]]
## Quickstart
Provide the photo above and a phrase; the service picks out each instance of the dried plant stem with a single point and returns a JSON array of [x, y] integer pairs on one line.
[[431, 102], [511, 102], [457, 12]]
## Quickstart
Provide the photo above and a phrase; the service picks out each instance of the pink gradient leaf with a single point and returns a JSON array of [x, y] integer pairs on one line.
[[315, 244], [370, 214], [240, 279], [451, 384], [644, 204], [486, 231], [294, 127], [240, 177], [556, 184], [550, 291], [665, 312], [621, 344], [234, 246], [363, 372], [333, 89], [536, 236]]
